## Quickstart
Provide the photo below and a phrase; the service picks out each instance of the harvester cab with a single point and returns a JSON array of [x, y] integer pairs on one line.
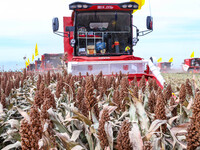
[[191, 65], [51, 62], [99, 37], [31, 67], [164, 66]]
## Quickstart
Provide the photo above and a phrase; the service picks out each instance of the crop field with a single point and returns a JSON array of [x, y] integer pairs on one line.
[[61, 111]]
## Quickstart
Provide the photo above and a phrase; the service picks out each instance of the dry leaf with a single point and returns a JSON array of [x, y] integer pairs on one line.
[[75, 135], [171, 120], [15, 145], [13, 123], [77, 147], [109, 133], [24, 114], [135, 137], [154, 126]]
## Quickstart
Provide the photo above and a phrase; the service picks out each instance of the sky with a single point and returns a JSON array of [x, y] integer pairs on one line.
[[23, 23]]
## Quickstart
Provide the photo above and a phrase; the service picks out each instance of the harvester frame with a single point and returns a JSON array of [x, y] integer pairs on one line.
[[51, 62], [99, 37], [164, 66], [191, 65]]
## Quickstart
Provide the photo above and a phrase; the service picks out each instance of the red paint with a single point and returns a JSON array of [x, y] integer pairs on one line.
[[193, 68], [67, 21], [125, 67], [90, 67], [45, 66]]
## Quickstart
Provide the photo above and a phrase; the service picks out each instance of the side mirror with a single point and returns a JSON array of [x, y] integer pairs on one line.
[[149, 23], [69, 28], [55, 24]]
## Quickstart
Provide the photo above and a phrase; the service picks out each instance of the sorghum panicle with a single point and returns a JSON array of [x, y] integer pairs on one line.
[[58, 89], [116, 99], [135, 92], [182, 93], [38, 100], [101, 130], [152, 102], [150, 84], [25, 133], [48, 78], [142, 84], [42, 87], [160, 111], [123, 140], [90, 99], [48, 95], [39, 81], [188, 86], [169, 91], [123, 93], [155, 85], [147, 145]]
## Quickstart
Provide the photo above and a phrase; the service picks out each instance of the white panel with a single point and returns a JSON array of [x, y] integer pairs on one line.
[[107, 67]]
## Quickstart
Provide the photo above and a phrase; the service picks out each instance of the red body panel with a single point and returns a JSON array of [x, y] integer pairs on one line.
[[37, 63], [187, 62], [45, 66], [28, 68], [164, 66], [105, 58], [104, 7], [192, 67], [42, 64], [67, 21]]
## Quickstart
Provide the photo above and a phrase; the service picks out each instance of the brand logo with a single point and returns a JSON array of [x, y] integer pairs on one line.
[[125, 67], [90, 68], [105, 7], [104, 57]]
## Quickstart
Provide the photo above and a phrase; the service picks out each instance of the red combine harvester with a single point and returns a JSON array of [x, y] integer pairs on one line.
[[37, 65], [164, 66], [31, 67], [99, 37], [191, 65], [51, 62]]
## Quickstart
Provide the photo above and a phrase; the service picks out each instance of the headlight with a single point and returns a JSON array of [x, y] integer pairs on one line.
[[124, 6], [79, 5]]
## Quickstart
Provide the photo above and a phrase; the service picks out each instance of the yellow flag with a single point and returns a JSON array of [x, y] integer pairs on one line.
[[139, 2], [171, 59], [36, 50], [192, 55], [159, 60], [26, 64], [28, 61], [33, 57]]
